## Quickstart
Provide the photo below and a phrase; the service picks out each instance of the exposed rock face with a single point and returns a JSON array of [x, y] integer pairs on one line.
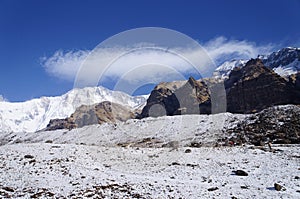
[[175, 98], [282, 57], [280, 125], [251, 88], [94, 114], [295, 79], [256, 87]]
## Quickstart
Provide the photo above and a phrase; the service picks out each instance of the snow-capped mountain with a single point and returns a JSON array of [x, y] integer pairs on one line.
[[34, 115], [284, 62], [223, 70]]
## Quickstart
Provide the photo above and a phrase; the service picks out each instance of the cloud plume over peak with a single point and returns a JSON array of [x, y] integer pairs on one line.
[[65, 65], [222, 49]]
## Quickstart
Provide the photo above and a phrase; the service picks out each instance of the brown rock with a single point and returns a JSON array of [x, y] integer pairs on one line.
[[277, 187], [93, 114], [240, 173], [256, 87], [177, 98]]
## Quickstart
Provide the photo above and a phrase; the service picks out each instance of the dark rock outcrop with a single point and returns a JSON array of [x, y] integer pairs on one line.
[[295, 79], [176, 98], [204, 96], [93, 114], [279, 125], [249, 89], [256, 87]]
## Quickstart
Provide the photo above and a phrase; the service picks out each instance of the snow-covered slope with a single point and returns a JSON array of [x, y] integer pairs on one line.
[[80, 171], [35, 114], [224, 69], [181, 128], [284, 62], [89, 162]]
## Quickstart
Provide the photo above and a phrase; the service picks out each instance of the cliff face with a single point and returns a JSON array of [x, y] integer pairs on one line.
[[176, 98], [251, 88], [255, 87], [94, 114], [295, 79]]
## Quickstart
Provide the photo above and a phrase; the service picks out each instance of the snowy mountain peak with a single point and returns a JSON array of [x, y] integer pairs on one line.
[[284, 62], [35, 114], [223, 70]]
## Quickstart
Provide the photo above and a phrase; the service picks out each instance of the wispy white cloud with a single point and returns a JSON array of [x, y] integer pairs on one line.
[[64, 65], [147, 65], [222, 49]]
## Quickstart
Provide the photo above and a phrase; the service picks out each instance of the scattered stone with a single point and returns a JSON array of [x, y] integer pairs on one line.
[[192, 165], [49, 141], [240, 173], [175, 163], [297, 177], [277, 187], [10, 189], [244, 187], [28, 156], [55, 146], [196, 144], [188, 151], [32, 161], [212, 189]]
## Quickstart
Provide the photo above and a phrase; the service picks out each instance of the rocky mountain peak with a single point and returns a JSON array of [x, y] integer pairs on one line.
[[104, 112], [283, 57], [284, 62], [255, 87]]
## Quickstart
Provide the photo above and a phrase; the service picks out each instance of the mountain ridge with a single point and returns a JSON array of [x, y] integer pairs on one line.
[[35, 114], [284, 62]]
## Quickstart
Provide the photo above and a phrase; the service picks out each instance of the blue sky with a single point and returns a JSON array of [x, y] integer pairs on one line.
[[31, 30]]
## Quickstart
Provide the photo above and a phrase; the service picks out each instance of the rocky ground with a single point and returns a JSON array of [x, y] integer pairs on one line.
[[187, 156], [79, 171]]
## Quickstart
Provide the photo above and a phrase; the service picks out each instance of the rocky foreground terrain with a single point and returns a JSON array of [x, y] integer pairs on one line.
[[47, 170], [184, 156]]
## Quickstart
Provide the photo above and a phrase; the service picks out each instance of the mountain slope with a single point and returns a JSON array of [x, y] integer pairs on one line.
[[284, 62], [255, 87], [251, 88], [35, 114], [100, 113]]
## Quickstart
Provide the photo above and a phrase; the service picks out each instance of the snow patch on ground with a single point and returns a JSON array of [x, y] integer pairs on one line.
[[67, 170]]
